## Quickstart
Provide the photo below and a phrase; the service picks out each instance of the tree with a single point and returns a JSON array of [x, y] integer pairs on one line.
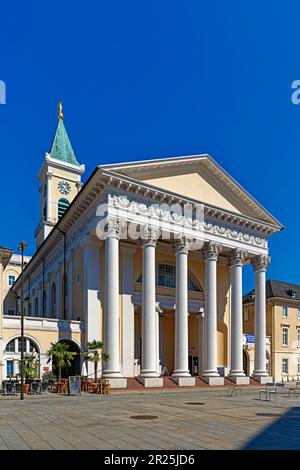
[[59, 353], [95, 354], [30, 366]]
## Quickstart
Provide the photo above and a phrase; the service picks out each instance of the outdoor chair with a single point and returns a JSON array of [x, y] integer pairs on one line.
[[266, 391], [233, 389], [34, 388], [104, 386], [9, 389], [44, 386], [18, 387], [280, 390], [294, 390]]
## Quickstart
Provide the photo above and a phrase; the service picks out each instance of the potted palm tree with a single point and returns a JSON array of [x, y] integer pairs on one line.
[[60, 354], [95, 354], [30, 370]]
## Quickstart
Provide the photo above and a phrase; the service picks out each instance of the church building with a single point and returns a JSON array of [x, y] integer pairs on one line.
[[147, 257]]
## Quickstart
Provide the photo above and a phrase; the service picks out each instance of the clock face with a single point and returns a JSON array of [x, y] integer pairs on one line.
[[64, 187]]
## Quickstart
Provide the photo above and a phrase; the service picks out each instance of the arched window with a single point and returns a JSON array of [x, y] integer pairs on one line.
[[36, 307], [53, 300], [15, 347], [166, 277], [63, 205]]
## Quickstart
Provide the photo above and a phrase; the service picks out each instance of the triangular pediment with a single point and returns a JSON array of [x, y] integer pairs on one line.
[[196, 177]]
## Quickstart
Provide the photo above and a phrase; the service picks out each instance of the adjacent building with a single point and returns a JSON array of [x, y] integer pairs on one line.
[[147, 257], [282, 328]]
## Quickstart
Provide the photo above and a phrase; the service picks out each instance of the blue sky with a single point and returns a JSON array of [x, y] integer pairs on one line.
[[151, 79]]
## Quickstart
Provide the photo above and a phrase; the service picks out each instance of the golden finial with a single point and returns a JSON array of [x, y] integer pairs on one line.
[[60, 114]]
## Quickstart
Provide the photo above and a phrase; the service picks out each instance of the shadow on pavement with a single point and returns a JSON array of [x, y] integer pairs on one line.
[[284, 433]]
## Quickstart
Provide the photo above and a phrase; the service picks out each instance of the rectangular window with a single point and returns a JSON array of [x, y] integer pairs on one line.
[[284, 312], [298, 365], [285, 366], [9, 368], [11, 311], [11, 280], [246, 315], [298, 314], [285, 335]]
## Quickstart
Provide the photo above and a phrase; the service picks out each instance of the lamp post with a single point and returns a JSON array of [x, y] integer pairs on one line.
[[21, 248]]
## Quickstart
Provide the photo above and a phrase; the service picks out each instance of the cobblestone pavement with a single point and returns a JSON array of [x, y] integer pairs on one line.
[[204, 419]]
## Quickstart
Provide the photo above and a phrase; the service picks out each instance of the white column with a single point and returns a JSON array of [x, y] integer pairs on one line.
[[112, 320], [70, 286], [91, 294], [58, 294], [260, 265], [236, 267], [149, 345], [128, 327], [211, 253], [181, 309], [27, 346], [49, 176]]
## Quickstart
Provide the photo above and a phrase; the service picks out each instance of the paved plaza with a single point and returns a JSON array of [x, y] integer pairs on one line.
[[198, 419]]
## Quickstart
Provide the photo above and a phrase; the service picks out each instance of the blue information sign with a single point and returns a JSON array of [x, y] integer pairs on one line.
[[250, 338]]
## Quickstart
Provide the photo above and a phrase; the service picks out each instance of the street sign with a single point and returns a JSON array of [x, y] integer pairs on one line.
[[250, 338]]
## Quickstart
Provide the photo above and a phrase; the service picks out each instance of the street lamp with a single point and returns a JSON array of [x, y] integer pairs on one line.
[[21, 248]]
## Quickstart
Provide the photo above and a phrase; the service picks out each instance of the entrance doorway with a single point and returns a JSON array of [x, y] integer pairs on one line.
[[74, 369], [245, 363]]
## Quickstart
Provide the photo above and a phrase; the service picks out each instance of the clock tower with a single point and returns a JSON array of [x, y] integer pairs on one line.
[[60, 181]]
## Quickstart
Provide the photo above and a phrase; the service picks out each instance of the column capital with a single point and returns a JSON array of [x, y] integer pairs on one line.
[[260, 263], [237, 257], [212, 251], [113, 227], [150, 235], [182, 244]]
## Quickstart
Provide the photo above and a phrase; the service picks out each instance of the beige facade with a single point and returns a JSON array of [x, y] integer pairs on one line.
[[283, 330]]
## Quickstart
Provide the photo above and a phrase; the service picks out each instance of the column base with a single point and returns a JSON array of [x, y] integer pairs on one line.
[[149, 382], [111, 374], [213, 380], [239, 380], [117, 382], [262, 379], [184, 381], [149, 374], [210, 373], [181, 373]]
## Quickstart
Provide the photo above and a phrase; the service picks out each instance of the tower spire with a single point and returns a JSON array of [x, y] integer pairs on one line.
[[60, 114]]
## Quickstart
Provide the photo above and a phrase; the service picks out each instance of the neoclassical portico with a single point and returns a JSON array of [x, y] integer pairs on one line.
[[151, 336]]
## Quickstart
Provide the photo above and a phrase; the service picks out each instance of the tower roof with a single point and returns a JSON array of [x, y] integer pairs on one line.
[[61, 148]]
